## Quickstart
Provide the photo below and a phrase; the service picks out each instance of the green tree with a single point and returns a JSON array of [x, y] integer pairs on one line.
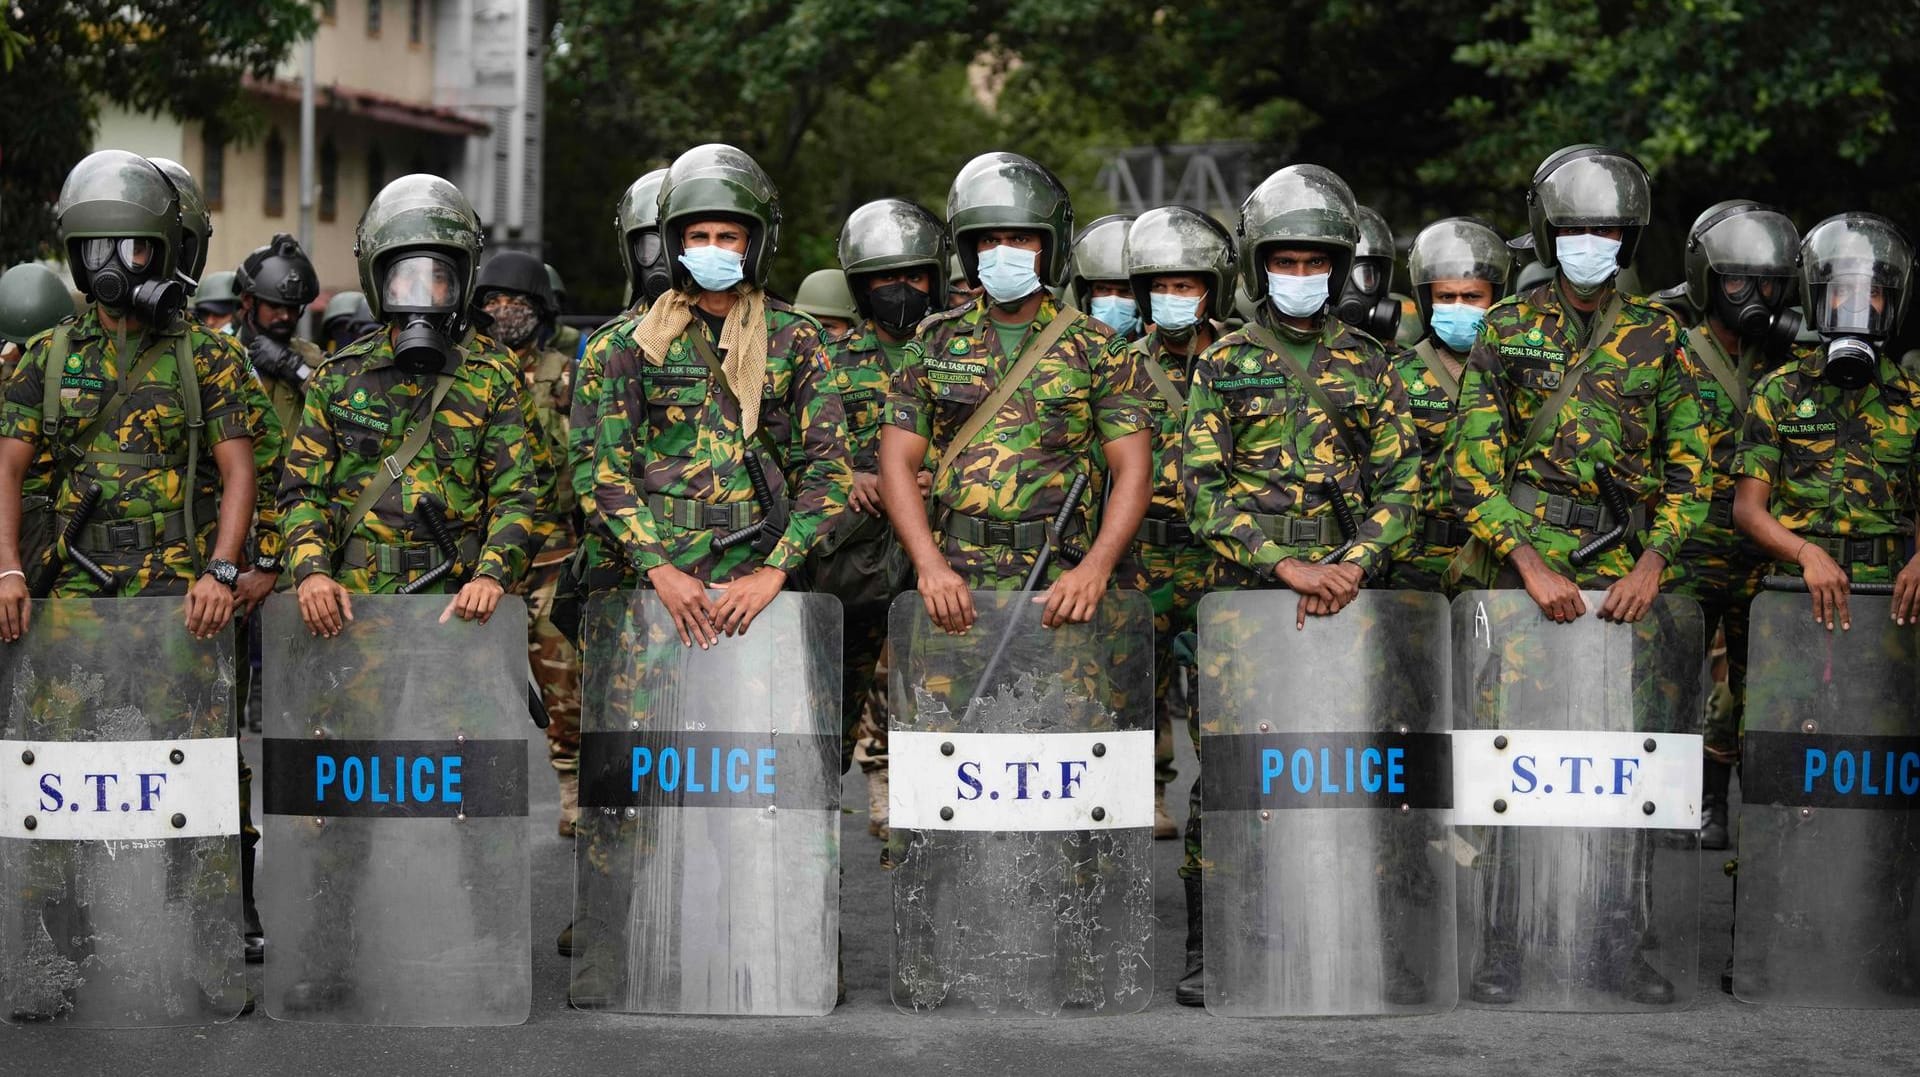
[[185, 58]]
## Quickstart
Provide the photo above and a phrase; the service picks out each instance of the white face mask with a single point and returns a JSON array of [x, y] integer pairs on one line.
[[1588, 260], [1298, 297], [1007, 273]]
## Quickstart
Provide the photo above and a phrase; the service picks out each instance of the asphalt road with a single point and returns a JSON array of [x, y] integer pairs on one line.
[[867, 1035]]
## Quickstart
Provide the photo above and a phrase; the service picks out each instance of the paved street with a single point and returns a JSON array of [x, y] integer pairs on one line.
[[867, 1036]]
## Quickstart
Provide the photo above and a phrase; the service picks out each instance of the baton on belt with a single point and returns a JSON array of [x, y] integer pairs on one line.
[[1055, 532], [48, 573], [1799, 585], [762, 493], [1615, 499]]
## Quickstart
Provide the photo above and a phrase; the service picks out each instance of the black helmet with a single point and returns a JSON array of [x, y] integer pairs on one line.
[[280, 273], [520, 273]]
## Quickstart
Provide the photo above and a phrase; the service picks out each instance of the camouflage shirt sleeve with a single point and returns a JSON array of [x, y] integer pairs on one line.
[[306, 482], [20, 415], [1393, 474], [821, 493], [1205, 451], [513, 484], [269, 442], [224, 376], [909, 395], [1686, 480], [1481, 453], [1759, 454], [583, 412], [619, 440], [1121, 387]]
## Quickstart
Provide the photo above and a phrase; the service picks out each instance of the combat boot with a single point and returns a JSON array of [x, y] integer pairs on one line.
[[569, 801], [1496, 976], [877, 804], [565, 943], [1193, 982], [252, 935], [1713, 805], [1164, 828]]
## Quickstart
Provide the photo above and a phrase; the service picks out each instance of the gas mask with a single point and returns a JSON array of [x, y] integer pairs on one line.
[[420, 297], [650, 265], [1851, 331], [1363, 302], [1848, 362], [123, 276], [1739, 303]]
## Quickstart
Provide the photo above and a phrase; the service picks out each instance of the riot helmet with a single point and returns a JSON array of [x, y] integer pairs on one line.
[[1856, 272], [279, 273], [525, 289], [636, 225], [825, 294], [719, 182], [1740, 269], [32, 300], [346, 319], [196, 223], [1588, 186], [1180, 240], [892, 235], [1365, 301], [1000, 190], [1305, 206], [119, 218], [418, 245]]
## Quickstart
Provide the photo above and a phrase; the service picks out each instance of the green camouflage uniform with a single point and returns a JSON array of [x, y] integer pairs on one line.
[[861, 375], [600, 563], [1173, 576], [547, 397], [1433, 395], [1841, 464], [478, 460], [1718, 566], [154, 426], [667, 436], [1637, 409], [566, 341], [1087, 390], [1258, 447]]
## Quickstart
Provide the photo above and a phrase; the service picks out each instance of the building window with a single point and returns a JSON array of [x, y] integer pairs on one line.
[[376, 172], [329, 179], [373, 18], [276, 174], [416, 21], [213, 167]]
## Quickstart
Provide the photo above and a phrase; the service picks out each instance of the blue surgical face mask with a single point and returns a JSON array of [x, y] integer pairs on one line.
[[1457, 325], [1298, 297], [714, 268], [1007, 273], [1588, 260], [1118, 311], [1173, 313]]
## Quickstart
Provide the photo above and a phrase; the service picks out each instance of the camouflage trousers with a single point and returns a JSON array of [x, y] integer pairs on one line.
[[555, 661], [1714, 572]]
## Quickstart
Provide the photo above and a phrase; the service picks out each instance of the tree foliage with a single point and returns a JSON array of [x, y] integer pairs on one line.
[[1427, 109], [185, 58]]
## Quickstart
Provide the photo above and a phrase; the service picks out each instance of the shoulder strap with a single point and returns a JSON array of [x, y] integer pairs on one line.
[[1438, 368], [1162, 384], [1544, 420], [1037, 345], [191, 403], [396, 465], [50, 377], [1264, 337], [1721, 366]]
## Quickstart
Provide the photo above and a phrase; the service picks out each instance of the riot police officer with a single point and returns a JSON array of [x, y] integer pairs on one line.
[[1097, 276], [32, 301], [276, 283], [1367, 302]]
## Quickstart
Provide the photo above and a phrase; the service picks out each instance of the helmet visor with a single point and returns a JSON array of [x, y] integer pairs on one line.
[[420, 283], [1601, 191]]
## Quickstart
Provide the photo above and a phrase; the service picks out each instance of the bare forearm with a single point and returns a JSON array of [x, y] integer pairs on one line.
[[234, 457], [900, 456]]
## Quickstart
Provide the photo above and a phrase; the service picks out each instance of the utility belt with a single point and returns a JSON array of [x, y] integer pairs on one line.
[[1571, 514], [1876, 551], [1292, 529], [404, 558], [1171, 534], [1013, 534], [692, 514], [141, 533], [1444, 532]]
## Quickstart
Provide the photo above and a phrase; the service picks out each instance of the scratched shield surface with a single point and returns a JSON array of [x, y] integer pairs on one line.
[[394, 859], [1022, 810], [1326, 784], [1829, 786], [138, 929], [1569, 899], [707, 856]]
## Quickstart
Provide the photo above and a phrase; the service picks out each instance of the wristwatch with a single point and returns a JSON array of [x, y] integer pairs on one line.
[[223, 572]]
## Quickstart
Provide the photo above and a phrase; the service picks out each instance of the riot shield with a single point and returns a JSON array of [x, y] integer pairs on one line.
[[707, 877], [1325, 783], [394, 860], [1576, 799], [119, 819], [1829, 831], [1021, 807]]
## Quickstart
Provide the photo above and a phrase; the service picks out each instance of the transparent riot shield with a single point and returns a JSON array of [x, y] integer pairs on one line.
[[1576, 798], [119, 819], [707, 871], [393, 861], [1830, 810], [1021, 784], [1325, 785]]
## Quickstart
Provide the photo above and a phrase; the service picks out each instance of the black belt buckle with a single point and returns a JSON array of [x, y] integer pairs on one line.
[[1000, 533], [416, 559], [123, 535], [1587, 517], [1862, 551]]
